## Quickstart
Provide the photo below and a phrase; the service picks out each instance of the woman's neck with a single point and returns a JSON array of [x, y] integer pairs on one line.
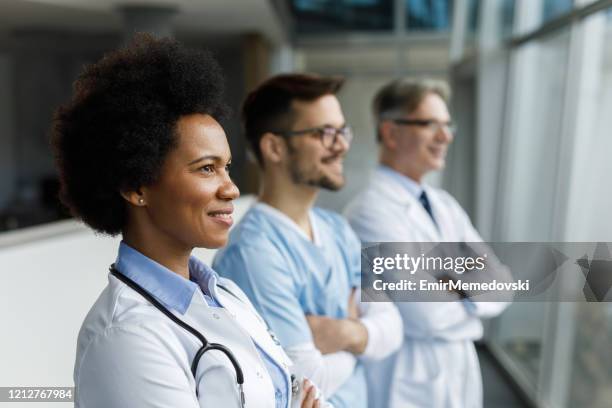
[[155, 245]]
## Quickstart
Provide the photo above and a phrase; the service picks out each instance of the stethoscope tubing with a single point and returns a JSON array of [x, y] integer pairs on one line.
[[206, 346]]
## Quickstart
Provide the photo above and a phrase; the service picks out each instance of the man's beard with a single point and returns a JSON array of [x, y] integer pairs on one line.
[[322, 181]]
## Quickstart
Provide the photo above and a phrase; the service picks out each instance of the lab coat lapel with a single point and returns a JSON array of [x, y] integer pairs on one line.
[[418, 222], [446, 220], [213, 323], [218, 326], [247, 318], [419, 219]]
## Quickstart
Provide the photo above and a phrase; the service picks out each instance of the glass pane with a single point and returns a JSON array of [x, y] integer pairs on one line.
[[554, 8], [520, 333], [591, 377], [316, 16], [507, 17], [428, 15], [529, 191], [532, 163], [33, 84], [592, 361], [473, 16]]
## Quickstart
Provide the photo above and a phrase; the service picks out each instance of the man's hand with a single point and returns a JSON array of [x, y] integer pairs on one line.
[[325, 334], [447, 279], [332, 335]]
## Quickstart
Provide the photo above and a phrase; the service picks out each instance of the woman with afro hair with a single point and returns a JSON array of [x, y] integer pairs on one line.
[[141, 153]]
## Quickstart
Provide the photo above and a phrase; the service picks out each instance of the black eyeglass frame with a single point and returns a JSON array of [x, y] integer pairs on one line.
[[322, 132], [450, 126]]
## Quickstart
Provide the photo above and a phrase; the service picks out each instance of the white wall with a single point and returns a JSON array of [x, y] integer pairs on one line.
[[47, 288]]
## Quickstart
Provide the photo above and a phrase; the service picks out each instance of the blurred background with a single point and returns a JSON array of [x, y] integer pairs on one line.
[[532, 82]]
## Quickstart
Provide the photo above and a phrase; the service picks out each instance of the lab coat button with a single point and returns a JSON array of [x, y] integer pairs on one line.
[[259, 374], [216, 316]]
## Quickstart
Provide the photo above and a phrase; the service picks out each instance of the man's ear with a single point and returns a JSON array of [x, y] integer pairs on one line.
[[136, 198], [386, 130], [273, 147]]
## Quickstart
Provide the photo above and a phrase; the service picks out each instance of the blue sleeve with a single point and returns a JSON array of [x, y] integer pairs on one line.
[[352, 246], [266, 278], [355, 259]]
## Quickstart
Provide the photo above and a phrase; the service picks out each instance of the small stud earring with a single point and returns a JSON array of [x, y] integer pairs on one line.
[[141, 201]]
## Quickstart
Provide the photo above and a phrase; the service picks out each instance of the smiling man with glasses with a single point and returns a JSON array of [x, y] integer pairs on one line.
[[299, 264], [437, 366]]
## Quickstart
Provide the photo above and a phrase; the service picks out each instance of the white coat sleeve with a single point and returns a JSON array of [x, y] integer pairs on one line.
[[429, 318], [327, 371], [485, 309], [132, 367], [480, 309], [385, 329]]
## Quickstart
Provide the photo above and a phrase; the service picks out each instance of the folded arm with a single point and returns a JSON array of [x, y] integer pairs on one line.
[[328, 371], [372, 330]]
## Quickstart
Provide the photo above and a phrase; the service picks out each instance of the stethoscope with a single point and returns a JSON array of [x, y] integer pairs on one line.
[[206, 346]]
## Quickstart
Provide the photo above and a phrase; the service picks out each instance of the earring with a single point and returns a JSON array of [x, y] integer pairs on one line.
[[141, 201]]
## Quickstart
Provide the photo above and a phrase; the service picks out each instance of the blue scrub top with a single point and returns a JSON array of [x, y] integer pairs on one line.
[[286, 276]]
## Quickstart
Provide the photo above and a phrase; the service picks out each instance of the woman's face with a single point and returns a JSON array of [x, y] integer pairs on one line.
[[191, 203]]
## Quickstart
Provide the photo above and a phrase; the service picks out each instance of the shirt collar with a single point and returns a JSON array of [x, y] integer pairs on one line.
[[284, 219], [171, 289], [414, 188]]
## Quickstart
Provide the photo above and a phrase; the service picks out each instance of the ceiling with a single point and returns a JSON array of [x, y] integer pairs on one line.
[[195, 17]]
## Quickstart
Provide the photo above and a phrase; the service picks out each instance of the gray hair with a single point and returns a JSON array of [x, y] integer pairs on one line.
[[405, 95]]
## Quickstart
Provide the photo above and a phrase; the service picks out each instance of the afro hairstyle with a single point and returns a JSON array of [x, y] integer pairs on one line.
[[120, 125]]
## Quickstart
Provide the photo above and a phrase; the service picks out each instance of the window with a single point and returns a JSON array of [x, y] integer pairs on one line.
[[532, 148], [554, 8], [592, 362], [428, 15], [590, 381], [507, 17], [473, 16], [315, 16]]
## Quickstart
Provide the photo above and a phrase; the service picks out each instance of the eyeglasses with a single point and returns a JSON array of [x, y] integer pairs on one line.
[[432, 125], [327, 134]]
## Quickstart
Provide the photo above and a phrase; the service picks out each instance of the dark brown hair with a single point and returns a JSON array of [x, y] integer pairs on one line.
[[268, 107]]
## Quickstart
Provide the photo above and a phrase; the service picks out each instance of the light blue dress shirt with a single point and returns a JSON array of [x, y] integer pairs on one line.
[[410, 185], [175, 292], [287, 276]]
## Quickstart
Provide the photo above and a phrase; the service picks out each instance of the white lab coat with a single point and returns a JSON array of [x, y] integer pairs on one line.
[[129, 351], [437, 366]]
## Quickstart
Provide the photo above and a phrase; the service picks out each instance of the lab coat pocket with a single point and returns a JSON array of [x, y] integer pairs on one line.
[[417, 362]]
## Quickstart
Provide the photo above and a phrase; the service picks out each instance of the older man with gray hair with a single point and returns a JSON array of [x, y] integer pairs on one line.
[[437, 366]]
